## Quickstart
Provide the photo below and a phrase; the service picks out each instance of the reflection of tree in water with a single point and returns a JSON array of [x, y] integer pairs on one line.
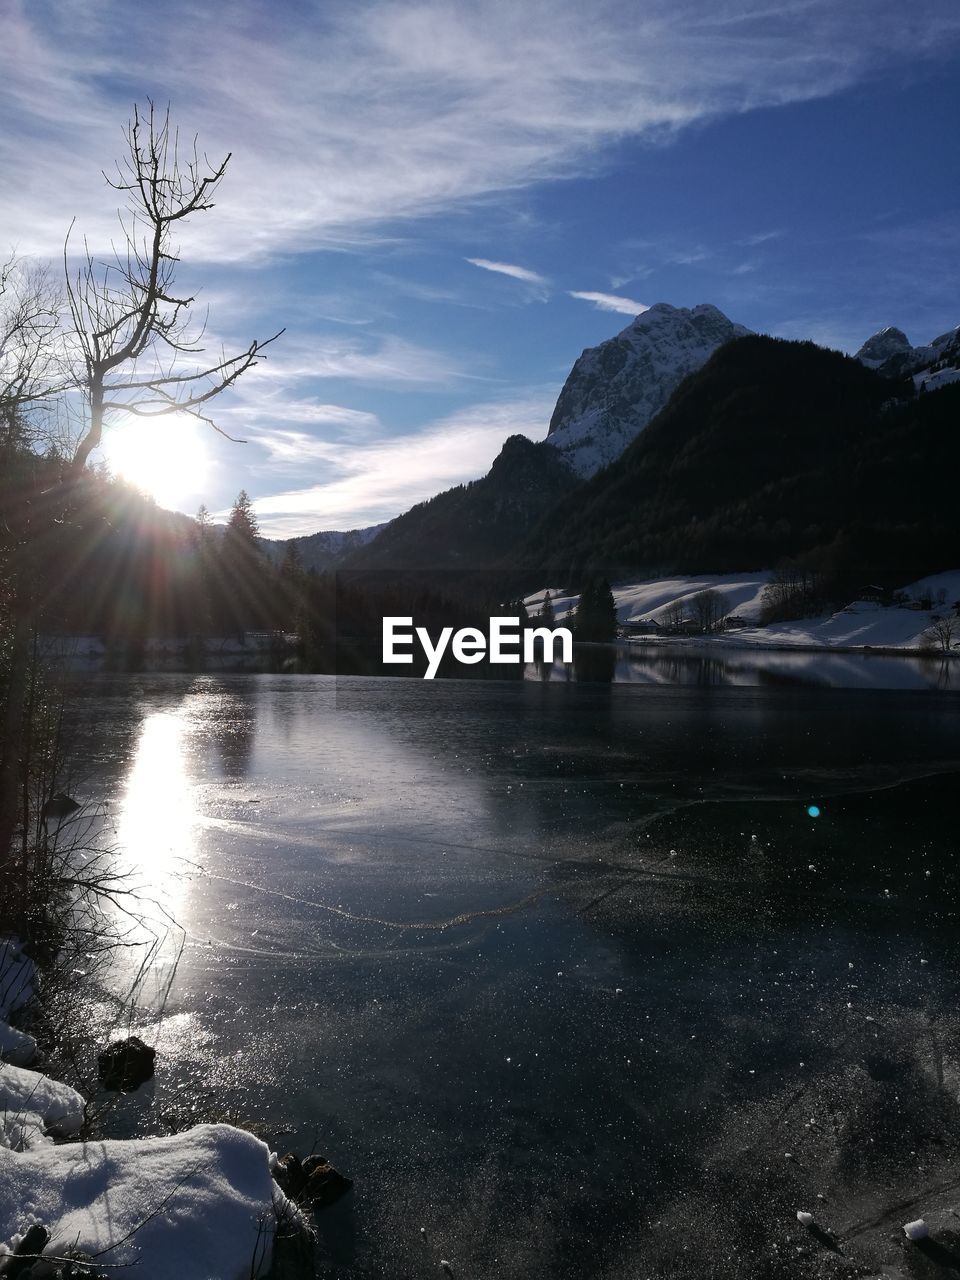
[[940, 673], [696, 670], [595, 664], [774, 677]]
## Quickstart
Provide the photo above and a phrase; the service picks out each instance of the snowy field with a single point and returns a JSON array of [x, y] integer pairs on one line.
[[861, 624]]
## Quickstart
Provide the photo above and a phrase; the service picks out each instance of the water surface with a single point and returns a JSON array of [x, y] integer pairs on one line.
[[564, 975]]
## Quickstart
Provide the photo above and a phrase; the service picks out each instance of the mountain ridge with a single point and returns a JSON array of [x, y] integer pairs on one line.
[[615, 388]]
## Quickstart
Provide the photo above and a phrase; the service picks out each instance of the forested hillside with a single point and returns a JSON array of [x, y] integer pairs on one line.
[[774, 449]]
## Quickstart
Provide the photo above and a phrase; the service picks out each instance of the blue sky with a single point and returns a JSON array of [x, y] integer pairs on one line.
[[444, 203]]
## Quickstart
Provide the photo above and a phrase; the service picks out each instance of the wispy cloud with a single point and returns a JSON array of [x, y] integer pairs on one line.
[[277, 408], [349, 116], [380, 361], [379, 479], [508, 269], [760, 237], [611, 302]]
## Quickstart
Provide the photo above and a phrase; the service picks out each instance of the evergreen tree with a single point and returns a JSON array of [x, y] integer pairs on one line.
[[547, 615], [291, 587], [204, 594], [242, 527], [606, 612], [244, 580], [596, 616]]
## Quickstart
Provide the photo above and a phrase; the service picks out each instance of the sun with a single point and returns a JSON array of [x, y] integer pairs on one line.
[[166, 458]]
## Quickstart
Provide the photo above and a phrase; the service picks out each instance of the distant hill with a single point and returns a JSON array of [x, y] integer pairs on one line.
[[324, 550], [474, 526], [773, 449]]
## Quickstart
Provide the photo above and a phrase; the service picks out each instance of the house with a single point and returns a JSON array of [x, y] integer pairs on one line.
[[640, 627]]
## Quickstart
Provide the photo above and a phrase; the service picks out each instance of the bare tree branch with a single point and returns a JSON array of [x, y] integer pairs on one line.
[[31, 357], [132, 326]]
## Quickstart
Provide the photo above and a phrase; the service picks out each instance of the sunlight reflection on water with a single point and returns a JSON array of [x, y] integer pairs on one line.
[[158, 821]]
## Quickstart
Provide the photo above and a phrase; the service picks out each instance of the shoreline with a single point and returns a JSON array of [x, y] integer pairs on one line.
[[748, 645]]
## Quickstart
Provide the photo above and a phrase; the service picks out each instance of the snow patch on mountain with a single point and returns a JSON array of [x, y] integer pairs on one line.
[[878, 349], [891, 353], [615, 389]]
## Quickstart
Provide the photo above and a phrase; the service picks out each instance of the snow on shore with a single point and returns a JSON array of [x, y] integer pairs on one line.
[[34, 1107], [16, 991], [860, 624], [199, 1204]]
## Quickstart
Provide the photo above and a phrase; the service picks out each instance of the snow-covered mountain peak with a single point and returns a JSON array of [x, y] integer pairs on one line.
[[878, 348], [932, 366], [616, 388]]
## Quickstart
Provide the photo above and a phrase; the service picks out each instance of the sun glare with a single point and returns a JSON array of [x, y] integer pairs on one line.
[[157, 821], [166, 458]]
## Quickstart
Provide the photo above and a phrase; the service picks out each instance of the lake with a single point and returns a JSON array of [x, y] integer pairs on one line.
[[565, 976]]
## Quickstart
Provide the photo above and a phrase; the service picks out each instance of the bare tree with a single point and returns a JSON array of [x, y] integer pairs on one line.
[[674, 616], [708, 610], [137, 342], [31, 373], [135, 353], [793, 592], [31, 363], [943, 632]]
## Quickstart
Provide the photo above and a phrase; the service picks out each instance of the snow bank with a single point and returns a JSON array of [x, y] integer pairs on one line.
[[16, 1046], [859, 625], [16, 990], [32, 1106], [198, 1204], [16, 978]]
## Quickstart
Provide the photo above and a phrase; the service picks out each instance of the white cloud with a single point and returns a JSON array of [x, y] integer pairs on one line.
[[297, 448], [612, 302], [761, 237], [378, 480], [508, 269], [347, 116], [279, 408], [387, 361]]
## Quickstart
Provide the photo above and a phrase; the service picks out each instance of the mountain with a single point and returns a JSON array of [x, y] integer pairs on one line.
[[324, 550], [891, 354], [612, 392], [474, 526], [616, 388], [773, 449], [884, 346]]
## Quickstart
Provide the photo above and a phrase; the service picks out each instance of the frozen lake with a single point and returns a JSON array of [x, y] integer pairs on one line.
[[564, 975]]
